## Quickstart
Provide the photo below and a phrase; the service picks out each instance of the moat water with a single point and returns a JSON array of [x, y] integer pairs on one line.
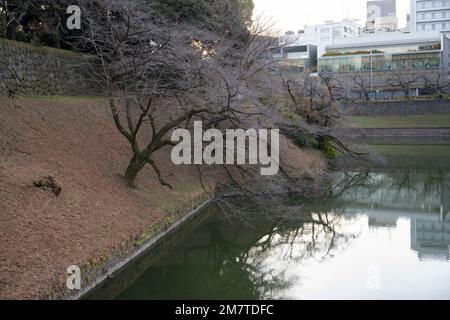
[[383, 233]]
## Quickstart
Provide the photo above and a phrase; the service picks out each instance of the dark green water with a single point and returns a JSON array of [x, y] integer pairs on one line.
[[383, 233]]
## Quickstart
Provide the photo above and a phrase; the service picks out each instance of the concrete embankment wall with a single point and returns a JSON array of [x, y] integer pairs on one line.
[[399, 135], [32, 70], [396, 108]]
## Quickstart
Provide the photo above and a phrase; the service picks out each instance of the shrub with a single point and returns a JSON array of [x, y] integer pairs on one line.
[[269, 100], [327, 148], [306, 141]]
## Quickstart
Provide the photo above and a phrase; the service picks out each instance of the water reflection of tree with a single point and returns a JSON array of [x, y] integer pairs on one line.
[[294, 234], [394, 182], [349, 181]]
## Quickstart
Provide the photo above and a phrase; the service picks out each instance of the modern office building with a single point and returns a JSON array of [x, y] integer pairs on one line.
[[378, 58], [384, 52], [430, 15], [322, 35], [296, 58]]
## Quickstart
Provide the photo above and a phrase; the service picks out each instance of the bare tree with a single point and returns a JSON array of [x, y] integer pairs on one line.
[[435, 84], [315, 98], [361, 86], [317, 105], [139, 59], [333, 87], [404, 82]]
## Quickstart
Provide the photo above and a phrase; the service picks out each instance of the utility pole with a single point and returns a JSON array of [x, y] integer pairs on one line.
[[371, 71]]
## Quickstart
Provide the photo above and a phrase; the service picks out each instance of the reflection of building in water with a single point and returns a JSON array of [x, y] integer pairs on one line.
[[403, 190], [445, 198], [431, 238], [430, 234], [422, 198], [382, 219]]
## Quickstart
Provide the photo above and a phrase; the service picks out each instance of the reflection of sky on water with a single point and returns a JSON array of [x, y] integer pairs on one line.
[[344, 274], [394, 222], [391, 225]]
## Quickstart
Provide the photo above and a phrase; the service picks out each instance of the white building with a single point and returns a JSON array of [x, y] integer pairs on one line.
[[322, 35], [394, 42], [446, 57], [385, 24], [381, 16], [430, 15]]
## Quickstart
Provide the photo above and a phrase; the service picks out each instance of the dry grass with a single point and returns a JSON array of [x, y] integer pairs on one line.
[[75, 141]]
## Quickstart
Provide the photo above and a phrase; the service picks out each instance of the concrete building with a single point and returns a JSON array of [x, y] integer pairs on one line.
[[385, 24], [446, 56], [430, 15], [322, 35], [381, 16]]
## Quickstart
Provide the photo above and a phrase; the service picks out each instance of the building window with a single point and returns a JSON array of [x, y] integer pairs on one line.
[[433, 26], [433, 15], [444, 26], [423, 27]]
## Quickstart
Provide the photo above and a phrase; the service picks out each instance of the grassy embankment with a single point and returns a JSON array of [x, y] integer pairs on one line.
[[96, 219]]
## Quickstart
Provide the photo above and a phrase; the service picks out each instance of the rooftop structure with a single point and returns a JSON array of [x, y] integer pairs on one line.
[[322, 35], [394, 42], [381, 16]]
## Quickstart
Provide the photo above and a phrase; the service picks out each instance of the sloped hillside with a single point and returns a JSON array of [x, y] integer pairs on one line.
[[74, 141]]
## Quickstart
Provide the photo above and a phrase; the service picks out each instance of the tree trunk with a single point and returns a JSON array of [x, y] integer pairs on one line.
[[134, 167], [10, 32]]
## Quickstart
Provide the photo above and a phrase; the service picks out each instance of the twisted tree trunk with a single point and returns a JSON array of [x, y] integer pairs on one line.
[[136, 164]]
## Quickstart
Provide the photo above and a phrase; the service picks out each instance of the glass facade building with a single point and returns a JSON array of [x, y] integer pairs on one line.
[[381, 62], [296, 57]]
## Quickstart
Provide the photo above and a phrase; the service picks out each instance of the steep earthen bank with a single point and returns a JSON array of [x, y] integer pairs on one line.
[[96, 218]]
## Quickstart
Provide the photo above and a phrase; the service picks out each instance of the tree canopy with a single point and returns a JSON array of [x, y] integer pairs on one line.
[[44, 21], [210, 12]]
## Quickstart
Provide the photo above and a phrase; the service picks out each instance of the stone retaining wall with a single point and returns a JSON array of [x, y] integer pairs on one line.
[[398, 135], [31, 70], [396, 108]]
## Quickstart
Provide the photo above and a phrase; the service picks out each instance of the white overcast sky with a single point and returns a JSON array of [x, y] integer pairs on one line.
[[295, 14]]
